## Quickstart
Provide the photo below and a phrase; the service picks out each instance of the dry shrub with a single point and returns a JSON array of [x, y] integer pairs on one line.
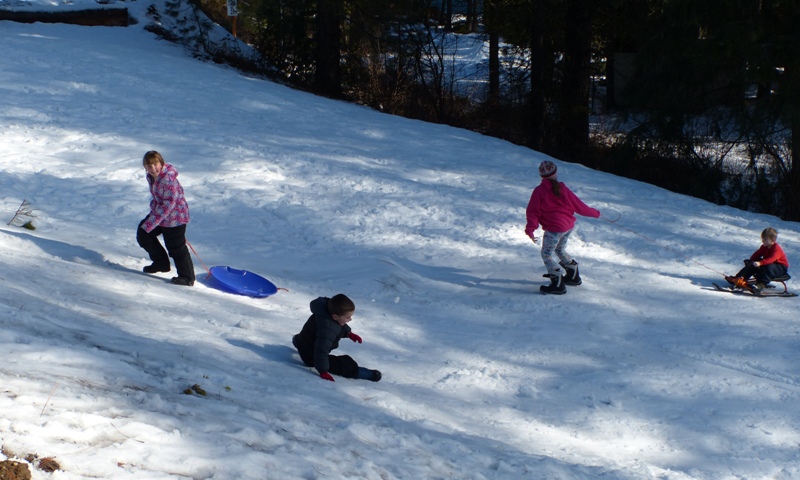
[[49, 464]]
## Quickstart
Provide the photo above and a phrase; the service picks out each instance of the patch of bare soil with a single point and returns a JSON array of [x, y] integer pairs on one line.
[[11, 470]]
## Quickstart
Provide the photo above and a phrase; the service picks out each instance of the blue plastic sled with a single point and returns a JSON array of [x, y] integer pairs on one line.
[[241, 282]]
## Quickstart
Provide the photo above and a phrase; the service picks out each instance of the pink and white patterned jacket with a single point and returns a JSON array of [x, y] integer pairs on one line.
[[168, 207]]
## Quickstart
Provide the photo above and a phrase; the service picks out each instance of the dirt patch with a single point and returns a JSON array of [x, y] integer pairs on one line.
[[11, 470]]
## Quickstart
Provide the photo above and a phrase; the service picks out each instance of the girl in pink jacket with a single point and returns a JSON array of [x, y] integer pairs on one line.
[[169, 214], [553, 206]]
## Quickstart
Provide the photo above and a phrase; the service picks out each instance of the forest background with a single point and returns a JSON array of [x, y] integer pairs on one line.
[[699, 97]]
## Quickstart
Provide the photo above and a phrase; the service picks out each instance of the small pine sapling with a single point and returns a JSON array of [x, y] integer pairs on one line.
[[24, 216]]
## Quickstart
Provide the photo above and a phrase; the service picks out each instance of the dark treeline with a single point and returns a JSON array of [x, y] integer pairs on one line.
[[701, 97]]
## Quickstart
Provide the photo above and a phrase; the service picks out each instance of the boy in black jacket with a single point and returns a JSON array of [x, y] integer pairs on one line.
[[321, 334]]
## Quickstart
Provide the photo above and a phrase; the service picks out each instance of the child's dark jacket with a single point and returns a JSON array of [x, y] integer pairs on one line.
[[320, 335]]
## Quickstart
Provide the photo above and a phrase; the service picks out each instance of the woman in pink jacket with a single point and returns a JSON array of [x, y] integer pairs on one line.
[[554, 206], [169, 214]]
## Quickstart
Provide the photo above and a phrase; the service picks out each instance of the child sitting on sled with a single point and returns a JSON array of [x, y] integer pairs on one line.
[[321, 334], [768, 262]]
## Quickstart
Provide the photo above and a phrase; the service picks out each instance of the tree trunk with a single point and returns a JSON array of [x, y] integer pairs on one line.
[[328, 75], [472, 15], [574, 101], [792, 73], [539, 59], [611, 84], [494, 68], [489, 20]]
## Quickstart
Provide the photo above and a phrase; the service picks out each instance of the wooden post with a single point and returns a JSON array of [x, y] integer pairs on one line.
[[233, 12]]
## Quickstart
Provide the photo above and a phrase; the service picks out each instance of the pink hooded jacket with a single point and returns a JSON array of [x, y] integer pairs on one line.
[[556, 214], [168, 207]]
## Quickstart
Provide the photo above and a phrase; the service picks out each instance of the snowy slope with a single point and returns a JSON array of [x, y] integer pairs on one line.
[[640, 373]]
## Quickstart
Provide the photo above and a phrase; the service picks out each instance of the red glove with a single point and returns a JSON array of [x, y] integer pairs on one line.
[[326, 376], [352, 336]]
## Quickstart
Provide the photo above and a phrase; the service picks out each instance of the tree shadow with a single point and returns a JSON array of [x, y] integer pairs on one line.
[[274, 352], [62, 250]]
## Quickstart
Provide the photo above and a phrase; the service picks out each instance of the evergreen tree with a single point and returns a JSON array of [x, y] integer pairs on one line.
[[698, 61], [283, 31], [774, 115]]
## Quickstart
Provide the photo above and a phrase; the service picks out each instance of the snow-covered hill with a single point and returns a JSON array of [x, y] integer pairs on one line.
[[640, 373]]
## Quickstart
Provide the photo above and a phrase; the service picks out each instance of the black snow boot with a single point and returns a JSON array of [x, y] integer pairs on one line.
[[157, 267], [185, 281], [184, 267], [572, 277], [556, 286]]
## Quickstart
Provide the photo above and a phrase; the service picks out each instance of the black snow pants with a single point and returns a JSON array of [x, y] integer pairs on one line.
[[764, 273], [175, 241], [341, 365]]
